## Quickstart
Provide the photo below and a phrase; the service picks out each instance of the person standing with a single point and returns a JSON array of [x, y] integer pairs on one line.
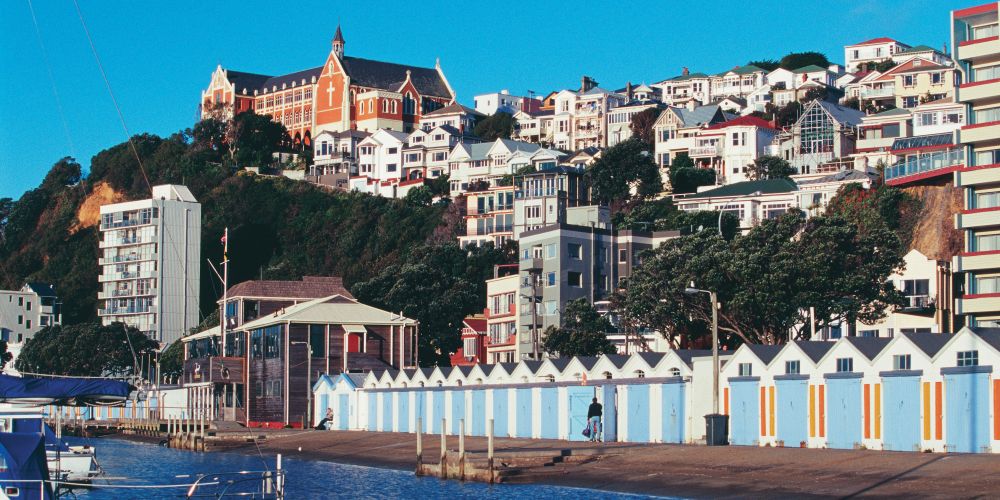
[[594, 414], [321, 426]]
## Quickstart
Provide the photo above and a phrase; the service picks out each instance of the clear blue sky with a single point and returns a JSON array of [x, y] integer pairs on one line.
[[160, 55]]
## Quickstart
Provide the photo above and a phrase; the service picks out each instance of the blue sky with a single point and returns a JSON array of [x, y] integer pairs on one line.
[[159, 56]]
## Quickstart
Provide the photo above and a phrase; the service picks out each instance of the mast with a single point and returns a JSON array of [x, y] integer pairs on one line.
[[223, 325]]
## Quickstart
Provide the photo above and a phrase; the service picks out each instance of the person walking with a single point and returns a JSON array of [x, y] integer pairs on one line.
[[594, 414], [321, 426]]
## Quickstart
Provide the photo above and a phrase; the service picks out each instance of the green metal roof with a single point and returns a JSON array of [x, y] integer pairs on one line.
[[812, 68], [768, 186]]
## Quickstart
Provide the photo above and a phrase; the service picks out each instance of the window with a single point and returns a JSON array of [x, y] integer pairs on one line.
[[868, 333], [986, 284], [317, 341], [575, 251], [986, 242], [622, 255], [746, 370], [469, 347], [575, 279], [550, 279], [917, 292], [20, 319], [988, 157], [937, 78], [968, 358], [845, 365], [27, 324], [551, 251], [390, 167], [910, 101], [551, 307], [675, 372], [792, 367], [909, 80], [989, 199], [901, 362]]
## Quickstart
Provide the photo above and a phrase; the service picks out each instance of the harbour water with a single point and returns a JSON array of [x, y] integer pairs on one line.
[[146, 464]]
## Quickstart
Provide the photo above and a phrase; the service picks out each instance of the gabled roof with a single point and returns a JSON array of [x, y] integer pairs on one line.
[[311, 287], [618, 360], [453, 108], [745, 121], [845, 175], [476, 324], [560, 363], [812, 68], [989, 335], [389, 76], [277, 81], [814, 349], [354, 379], [842, 114], [913, 65], [743, 70], [767, 186], [242, 80], [892, 112], [532, 365], [930, 343], [876, 41], [588, 362], [702, 115], [764, 352], [652, 358], [920, 48], [869, 346], [335, 309], [688, 355]]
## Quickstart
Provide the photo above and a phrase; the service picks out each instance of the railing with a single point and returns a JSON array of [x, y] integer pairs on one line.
[[704, 151], [125, 223], [125, 310], [926, 163], [878, 92], [919, 301]]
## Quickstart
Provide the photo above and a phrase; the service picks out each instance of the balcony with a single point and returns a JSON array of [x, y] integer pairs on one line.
[[977, 218], [126, 276], [940, 162], [978, 304], [125, 293], [125, 223], [124, 310], [979, 49], [704, 152], [125, 258], [980, 132], [531, 265], [114, 242], [976, 261], [982, 174], [975, 92], [878, 93]]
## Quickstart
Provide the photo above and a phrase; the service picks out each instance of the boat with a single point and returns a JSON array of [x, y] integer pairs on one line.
[[75, 464]]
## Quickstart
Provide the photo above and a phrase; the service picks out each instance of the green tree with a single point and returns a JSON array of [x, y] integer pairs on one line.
[[5, 355], [584, 332], [685, 177], [255, 138], [770, 167], [65, 172], [788, 114], [420, 195], [625, 173], [796, 60], [768, 278], [642, 124], [439, 186], [172, 361], [86, 350], [497, 126], [438, 285], [766, 64], [815, 94]]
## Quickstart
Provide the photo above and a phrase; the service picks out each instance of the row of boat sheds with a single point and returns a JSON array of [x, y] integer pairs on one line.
[[913, 392]]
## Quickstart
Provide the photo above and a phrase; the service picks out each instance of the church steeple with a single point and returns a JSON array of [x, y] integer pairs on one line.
[[338, 43]]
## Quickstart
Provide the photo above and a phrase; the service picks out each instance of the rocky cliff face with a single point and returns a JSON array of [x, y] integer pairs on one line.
[[934, 232]]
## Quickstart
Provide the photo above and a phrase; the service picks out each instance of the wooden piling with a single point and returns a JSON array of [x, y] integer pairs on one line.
[[420, 446], [489, 448], [444, 447], [461, 449]]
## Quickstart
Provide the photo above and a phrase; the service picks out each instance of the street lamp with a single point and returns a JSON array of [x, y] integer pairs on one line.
[[717, 425]]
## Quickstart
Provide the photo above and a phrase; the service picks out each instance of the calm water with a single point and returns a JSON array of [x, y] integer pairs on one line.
[[151, 464]]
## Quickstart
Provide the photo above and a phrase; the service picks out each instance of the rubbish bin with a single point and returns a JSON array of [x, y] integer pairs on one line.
[[716, 429]]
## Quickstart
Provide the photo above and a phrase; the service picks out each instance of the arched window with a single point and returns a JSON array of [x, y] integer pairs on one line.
[[394, 108], [550, 378], [675, 372], [458, 383], [524, 379], [403, 384], [640, 374], [439, 383], [409, 104], [421, 384], [607, 375], [479, 381]]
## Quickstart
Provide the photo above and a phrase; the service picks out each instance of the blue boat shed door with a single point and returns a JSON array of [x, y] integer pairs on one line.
[[843, 411], [792, 409], [579, 403], [744, 421], [967, 416], [673, 412], [900, 412]]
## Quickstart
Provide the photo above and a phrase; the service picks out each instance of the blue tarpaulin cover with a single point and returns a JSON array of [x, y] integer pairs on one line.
[[23, 456], [66, 391]]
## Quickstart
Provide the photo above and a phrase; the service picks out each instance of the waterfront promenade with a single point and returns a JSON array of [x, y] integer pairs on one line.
[[675, 470]]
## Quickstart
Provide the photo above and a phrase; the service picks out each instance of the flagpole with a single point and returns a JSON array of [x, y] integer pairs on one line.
[[223, 323]]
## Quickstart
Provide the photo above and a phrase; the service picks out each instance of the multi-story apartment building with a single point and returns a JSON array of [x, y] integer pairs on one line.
[[871, 51], [737, 82], [504, 102], [489, 216], [427, 150], [931, 153], [686, 87], [877, 133], [26, 311], [501, 314], [911, 83], [976, 49], [559, 263], [534, 127], [620, 119], [380, 159], [344, 93], [151, 263], [590, 117], [553, 196]]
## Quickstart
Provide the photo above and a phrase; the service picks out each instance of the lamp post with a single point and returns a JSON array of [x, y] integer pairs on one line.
[[308, 344], [717, 432]]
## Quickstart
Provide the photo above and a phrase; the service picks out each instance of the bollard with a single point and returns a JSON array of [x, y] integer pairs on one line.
[[461, 449], [489, 448], [420, 446], [444, 448]]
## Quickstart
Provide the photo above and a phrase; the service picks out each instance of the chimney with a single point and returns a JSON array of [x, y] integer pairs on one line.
[[587, 83], [684, 71], [691, 105]]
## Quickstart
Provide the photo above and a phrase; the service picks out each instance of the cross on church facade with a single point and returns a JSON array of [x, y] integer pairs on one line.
[[329, 94]]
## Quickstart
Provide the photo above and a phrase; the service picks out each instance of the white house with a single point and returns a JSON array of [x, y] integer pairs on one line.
[[871, 51], [919, 283]]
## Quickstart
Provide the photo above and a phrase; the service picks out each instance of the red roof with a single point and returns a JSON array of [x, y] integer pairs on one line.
[[477, 324], [875, 41], [419, 180], [311, 287], [747, 121]]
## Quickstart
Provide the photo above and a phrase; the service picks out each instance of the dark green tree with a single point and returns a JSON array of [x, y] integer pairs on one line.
[[766, 64], [255, 138], [66, 172], [796, 60], [685, 177], [642, 124], [497, 126], [172, 361], [625, 173], [5, 355], [769, 167], [584, 332], [86, 350], [420, 195]]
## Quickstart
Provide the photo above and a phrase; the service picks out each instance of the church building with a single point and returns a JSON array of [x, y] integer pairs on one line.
[[345, 93]]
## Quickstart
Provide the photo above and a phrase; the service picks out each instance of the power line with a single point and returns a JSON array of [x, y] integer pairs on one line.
[[52, 80]]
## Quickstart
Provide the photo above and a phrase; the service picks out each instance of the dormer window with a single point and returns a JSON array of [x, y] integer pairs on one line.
[[968, 358]]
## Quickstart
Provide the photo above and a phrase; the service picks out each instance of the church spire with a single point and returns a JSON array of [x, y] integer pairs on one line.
[[338, 43]]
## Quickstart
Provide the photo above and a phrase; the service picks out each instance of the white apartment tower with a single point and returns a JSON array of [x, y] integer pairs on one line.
[[150, 272]]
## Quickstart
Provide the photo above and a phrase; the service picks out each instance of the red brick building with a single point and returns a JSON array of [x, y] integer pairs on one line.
[[345, 93]]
